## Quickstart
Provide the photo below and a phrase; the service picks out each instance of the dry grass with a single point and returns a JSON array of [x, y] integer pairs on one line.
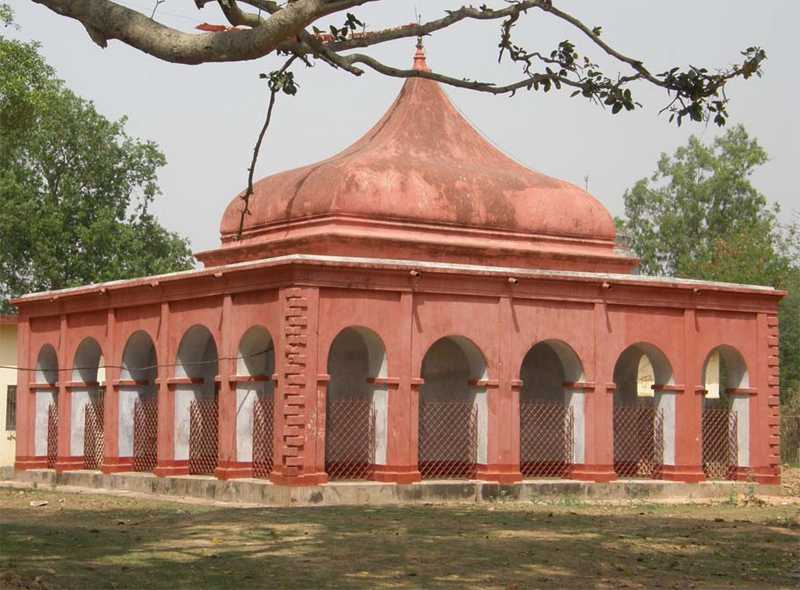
[[89, 541]]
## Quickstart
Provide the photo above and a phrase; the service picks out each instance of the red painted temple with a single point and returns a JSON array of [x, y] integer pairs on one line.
[[418, 306]]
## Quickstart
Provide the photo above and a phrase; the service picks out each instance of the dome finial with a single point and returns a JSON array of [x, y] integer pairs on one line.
[[419, 57]]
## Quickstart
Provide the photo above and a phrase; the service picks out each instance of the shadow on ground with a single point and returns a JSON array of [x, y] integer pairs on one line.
[[88, 541]]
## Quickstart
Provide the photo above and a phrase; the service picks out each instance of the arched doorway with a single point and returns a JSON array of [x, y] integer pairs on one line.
[[551, 410], [138, 403], [45, 392], [726, 414], [86, 404], [644, 412], [196, 407], [452, 410], [356, 404], [255, 401]]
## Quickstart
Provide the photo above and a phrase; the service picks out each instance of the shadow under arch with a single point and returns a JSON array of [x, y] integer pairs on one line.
[[644, 412], [453, 410], [45, 399], [356, 404], [551, 414], [255, 400], [726, 413], [137, 438], [196, 409]]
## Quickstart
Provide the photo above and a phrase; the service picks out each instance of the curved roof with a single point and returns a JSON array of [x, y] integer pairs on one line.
[[424, 163]]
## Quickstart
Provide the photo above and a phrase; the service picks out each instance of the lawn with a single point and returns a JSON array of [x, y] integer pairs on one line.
[[92, 541]]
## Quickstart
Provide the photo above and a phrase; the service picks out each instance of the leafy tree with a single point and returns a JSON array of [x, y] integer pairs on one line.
[[75, 189], [699, 216]]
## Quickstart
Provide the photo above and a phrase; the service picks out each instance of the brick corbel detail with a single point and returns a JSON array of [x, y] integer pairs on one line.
[[296, 393], [773, 400]]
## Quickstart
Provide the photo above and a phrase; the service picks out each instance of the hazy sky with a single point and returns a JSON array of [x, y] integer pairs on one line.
[[205, 118]]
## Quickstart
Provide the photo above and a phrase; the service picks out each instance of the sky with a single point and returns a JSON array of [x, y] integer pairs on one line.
[[205, 118]]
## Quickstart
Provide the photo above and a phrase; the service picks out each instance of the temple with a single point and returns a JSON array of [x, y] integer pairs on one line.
[[416, 307]]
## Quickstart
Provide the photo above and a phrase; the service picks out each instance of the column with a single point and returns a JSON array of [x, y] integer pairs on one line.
[[26, 402], [227, 466], [599, 409], [502, 402], [166, 464], [300, 392], [111, 460], [65, 461], [688, 466], [402, 439]]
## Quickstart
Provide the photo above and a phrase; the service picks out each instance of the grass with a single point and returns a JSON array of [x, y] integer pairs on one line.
[[93, 541]]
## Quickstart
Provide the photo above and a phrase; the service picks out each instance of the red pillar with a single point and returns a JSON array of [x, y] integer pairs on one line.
[[688, 411], [403, 407], [228, 467], [503, 408], [300, 394], [764, 412], [112, 463], [65, 460], [166, 463], [599, 414]]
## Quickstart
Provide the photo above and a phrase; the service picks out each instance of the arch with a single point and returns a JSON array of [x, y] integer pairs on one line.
[[47, 365], [255, 400], [726, 413], [138, 406], [197, 354], [356, 405], [547, 366], [644, 411], [196, 410], [453, 413], [45, 404], [139, 361], [86, 418], [256, 356], [731, 366], [87, 361], [552, 423]]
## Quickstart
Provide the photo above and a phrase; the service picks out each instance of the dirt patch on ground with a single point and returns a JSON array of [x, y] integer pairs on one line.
[[93, 541]]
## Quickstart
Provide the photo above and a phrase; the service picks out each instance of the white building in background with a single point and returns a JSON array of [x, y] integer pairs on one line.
[[8, 389]]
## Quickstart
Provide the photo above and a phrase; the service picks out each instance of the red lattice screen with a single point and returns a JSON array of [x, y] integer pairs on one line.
[[263, 414], [448, 439], [203, 436], [350, 438], [93, 432], [638, 440], [52, 435], [145, 434], [546, 439], [720, 447]]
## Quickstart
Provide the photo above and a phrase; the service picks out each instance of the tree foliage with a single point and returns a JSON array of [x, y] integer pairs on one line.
[[699, 216], [75, 189]]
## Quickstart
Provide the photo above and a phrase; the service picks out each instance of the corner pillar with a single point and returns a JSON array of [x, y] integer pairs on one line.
[[26, 403], [300, 395]]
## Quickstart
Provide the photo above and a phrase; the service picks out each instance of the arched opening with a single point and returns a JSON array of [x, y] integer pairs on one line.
[[551, 410], [255, 400], [138, 403], [45, 392], [196, 407], [356, 403], [452, 410], [86, 404], [644, 412], [726, 413]]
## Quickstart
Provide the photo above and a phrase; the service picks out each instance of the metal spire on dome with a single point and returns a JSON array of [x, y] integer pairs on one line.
[[419, 57]]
